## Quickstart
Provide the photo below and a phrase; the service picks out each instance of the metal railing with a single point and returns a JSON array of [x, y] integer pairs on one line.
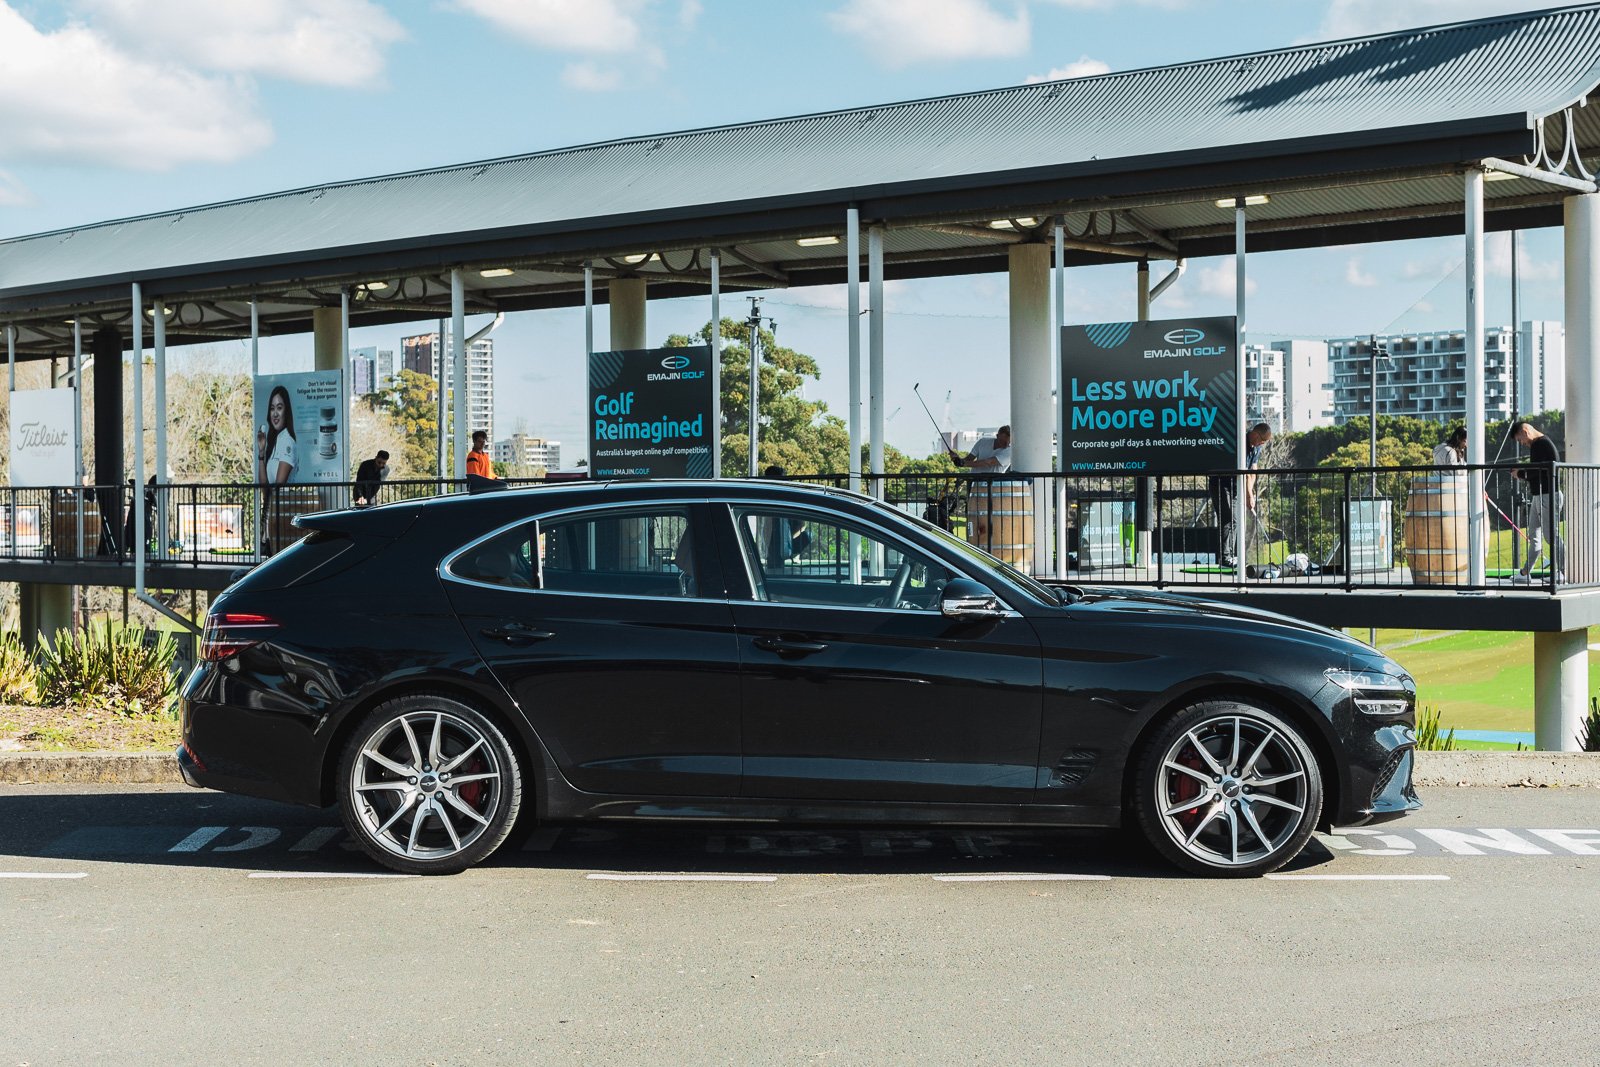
[[1329, 528]]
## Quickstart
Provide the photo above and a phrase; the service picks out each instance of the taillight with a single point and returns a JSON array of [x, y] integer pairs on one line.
[[231, 632]]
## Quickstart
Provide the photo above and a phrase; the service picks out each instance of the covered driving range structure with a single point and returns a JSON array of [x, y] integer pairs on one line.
[[1451, 130]]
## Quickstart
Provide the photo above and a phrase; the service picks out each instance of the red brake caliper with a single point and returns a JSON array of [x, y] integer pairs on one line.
[[472, 792], [1187, 788]]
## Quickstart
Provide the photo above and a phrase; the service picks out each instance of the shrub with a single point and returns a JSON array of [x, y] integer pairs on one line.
[[18, 675], [1428, 737], [1589, 731], [111, 668]]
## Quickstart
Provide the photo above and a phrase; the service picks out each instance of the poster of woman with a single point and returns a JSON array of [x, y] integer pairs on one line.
[[299, 428]]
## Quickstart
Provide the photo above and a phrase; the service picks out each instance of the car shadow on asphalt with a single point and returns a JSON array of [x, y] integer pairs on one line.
[[222, 831]]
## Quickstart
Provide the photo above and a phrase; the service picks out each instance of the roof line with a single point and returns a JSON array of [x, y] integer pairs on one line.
[[1523, 16]]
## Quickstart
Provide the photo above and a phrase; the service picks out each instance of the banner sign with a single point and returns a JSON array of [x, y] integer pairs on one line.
[[44, 445], [651, 413], [1150, 397], [300, 427]]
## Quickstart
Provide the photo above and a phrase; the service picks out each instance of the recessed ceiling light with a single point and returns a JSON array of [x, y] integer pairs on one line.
[[1249, 201], [496, 272], [150, 313], [374, 287], [812, 242], [1011, 224], [1500, 176], [641, 257]]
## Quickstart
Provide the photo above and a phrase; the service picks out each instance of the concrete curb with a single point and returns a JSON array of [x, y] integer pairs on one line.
[[1492, 769], [1529, 769], [88, 768]]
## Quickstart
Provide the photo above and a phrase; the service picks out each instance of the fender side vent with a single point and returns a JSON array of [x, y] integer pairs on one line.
[[1075, 766]]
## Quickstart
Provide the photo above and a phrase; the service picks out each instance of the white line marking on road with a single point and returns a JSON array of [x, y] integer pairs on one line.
[[1359, 877], [681, 877], [199, 839], [1022, 878], [329, 874], [315, 839], [44, 874]]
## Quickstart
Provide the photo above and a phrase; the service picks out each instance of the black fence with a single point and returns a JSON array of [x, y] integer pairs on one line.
[[1350, 528]]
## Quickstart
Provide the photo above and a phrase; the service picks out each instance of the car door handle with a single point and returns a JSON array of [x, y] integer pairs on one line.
[[784, 646], [516, 634]]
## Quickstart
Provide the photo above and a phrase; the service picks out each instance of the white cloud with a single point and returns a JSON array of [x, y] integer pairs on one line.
[[1107, 5], [589, 27], [1497, 261], [1082, 67], [689, 12], [591, 76], [1354, 275], [1218, 279], [320, 42], [12, 192], [1357, 18], [72, 96], [910, 31]]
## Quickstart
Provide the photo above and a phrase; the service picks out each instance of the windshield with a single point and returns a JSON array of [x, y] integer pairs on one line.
[[979, 559]]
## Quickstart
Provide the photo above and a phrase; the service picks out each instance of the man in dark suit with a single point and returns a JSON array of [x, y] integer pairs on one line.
[[369, 478]]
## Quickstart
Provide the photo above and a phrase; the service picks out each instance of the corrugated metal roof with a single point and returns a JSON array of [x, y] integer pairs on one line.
[[1499, 72]]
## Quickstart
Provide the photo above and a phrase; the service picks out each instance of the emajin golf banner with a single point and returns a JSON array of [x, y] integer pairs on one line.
[[1150, 397], [652, 413]]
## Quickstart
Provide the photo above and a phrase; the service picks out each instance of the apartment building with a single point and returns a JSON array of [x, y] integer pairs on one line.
[[1288, 386], [521, 450]]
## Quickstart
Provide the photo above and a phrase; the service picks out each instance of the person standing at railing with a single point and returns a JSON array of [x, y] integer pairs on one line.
[[1222, 495], [369, 478], [1452, 451], [1544, 498], [480, 469]]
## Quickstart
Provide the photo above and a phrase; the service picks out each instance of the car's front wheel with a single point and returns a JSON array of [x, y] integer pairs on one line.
[[1227, 788], [429, 785]]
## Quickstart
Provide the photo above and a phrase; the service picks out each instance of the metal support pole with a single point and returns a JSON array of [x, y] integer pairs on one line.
[[753, 410], [441, 374], [716, 361], [1475, 513], [138, 440], [344, 382], [458, 353], [1241, 512], [1059, 373], [1144, 290], [852, 256], [875, 352], [77, 436], [11, 356], [1141, 486], [159, 321]]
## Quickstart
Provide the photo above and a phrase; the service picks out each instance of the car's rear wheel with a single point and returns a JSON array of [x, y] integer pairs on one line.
[[1227, 788], [429, 785]]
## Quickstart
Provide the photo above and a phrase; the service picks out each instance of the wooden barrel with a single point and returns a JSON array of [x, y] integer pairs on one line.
[[1436, 529], [1000, 520], [65, 507], [289, 501]]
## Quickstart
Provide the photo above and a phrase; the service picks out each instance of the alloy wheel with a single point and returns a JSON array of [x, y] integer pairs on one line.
[[426, 785], [1233, 790]]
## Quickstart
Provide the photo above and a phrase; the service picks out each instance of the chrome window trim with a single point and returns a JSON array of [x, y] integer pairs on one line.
[[445, 574]]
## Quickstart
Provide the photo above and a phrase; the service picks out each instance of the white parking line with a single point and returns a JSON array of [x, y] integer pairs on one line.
[[44, 874], [1360, 877], [329, 874], [1022, 878], [681, 877]]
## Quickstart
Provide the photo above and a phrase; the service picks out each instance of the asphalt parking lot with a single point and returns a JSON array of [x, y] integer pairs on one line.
[[148, 924]]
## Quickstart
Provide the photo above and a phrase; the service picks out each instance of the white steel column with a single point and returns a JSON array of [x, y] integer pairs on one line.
[[159, 319], [1581, 239], [1032, 411], [1144, 290], [627, 307], [255, 344], [875, 351], [345, 399], [1058, 375], [1241, 511], [852, 259], [1560, 689], [1475, 513], [458, 354], [716, 363], [138, 442], [11, 360], [77, 435]]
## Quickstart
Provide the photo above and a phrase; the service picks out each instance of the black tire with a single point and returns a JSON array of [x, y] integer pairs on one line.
[[421, 813], [1255, 783]]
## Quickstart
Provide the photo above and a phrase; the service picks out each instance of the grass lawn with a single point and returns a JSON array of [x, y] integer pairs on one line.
[[1480, 680]]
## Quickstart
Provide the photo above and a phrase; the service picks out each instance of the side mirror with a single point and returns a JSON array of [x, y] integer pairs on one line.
[[964, 598]]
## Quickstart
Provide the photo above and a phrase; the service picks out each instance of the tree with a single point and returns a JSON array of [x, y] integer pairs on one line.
[[797, 434], [411, 401]]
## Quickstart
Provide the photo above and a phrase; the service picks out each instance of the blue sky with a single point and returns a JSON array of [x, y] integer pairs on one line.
[[110, 108]]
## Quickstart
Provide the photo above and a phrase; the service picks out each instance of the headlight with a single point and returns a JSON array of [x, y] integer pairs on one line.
[[1376, 693], [1368, 680]]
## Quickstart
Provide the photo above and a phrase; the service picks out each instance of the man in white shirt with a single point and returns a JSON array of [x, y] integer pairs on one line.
[[992, 455]]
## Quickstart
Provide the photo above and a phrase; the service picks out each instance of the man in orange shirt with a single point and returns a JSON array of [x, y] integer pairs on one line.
[[478, 459]]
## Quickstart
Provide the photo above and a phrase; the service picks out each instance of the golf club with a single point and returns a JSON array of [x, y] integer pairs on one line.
[[916, 387]]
